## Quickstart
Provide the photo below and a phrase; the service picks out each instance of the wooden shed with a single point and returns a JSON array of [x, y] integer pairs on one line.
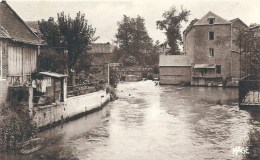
[[175, 69]]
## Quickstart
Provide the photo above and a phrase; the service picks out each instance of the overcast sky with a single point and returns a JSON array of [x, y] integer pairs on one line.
[[104, 14]]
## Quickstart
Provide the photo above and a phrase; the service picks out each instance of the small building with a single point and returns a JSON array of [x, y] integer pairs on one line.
[[19, 48], [175, 69], [101, 54], [48, 88], [211, 44]]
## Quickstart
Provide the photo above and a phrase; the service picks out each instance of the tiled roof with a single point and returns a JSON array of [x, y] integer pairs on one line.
[[196, 66], [218, 20], [3, 33], [97, 48], [12, 24]]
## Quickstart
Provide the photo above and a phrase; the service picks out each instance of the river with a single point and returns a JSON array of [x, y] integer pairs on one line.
[[150, 122]]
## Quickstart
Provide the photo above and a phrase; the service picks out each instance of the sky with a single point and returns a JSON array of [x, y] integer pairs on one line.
[[104, 14]]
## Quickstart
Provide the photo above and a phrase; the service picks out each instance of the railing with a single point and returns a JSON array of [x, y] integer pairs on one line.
[[43, 100], [206, 76], [82, 89], [19, 80], [249, 90]]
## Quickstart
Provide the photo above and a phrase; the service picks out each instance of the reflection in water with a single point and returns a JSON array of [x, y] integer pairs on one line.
[[151, 122]]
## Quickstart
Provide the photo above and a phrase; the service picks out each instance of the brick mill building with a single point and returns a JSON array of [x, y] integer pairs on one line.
[[211, 43]]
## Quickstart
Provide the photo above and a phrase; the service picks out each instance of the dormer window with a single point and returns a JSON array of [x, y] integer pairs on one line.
[[211, 20]]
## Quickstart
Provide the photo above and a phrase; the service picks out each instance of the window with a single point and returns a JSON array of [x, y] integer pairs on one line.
[[211, 20], [211, 35], [211, 52], [218, 69]]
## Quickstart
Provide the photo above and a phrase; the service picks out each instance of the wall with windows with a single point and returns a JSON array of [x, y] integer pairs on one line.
[[210, 44]]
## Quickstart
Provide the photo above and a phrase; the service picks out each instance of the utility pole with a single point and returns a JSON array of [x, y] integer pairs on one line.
[[108, 74]]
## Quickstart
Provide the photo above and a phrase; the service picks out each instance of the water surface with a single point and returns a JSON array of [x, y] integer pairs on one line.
[[150, 122]]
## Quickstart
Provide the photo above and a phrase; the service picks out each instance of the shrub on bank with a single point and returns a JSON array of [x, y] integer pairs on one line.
[[112, 91], [16, 126]]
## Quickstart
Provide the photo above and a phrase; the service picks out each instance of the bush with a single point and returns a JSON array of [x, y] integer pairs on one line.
[[114, 77], [112, 91], [15, 126]]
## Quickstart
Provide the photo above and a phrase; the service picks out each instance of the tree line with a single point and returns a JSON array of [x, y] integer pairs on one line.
[[71, 38]]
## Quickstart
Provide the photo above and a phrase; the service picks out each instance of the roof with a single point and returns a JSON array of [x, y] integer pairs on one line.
[[174, 60], [218, 20], [202, 66], [204, 19], [101, 48], [237, 19], [3, 33], [255, 27], [34, 26], [13, 27], [53, 74]]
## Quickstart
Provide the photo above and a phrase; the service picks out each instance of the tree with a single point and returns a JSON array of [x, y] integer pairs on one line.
[[248, 41], [75, 35], [114, 77], [134, 43], [171, 24]]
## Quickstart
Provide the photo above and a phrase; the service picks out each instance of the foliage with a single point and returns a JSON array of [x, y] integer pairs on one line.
[[112, 92], [114, 77], [15, 126], [171, 24], [74, 35], [54, 61], [249, 45], [134, 44]]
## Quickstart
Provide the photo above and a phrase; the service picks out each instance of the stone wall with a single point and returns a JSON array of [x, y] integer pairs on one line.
[[175, 75], [47, 115], [235, 71], [3, 91]]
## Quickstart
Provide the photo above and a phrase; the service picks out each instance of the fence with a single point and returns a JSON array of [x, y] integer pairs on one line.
[[82, 89], [249, 91]]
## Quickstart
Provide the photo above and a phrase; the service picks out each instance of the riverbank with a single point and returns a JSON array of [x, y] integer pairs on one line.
[[73, 108], [167, 122]]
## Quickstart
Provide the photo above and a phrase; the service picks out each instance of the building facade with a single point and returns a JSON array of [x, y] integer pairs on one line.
[[101, 54], [19, 48], [211, 44], [175, 69]]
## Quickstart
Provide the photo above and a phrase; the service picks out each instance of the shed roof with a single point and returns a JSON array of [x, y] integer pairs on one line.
[[174, 60], [203, 66], [53, 74], [13, 27]]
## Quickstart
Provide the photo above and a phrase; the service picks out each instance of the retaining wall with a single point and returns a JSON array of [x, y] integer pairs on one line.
[[3, 91], [47, 115]]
